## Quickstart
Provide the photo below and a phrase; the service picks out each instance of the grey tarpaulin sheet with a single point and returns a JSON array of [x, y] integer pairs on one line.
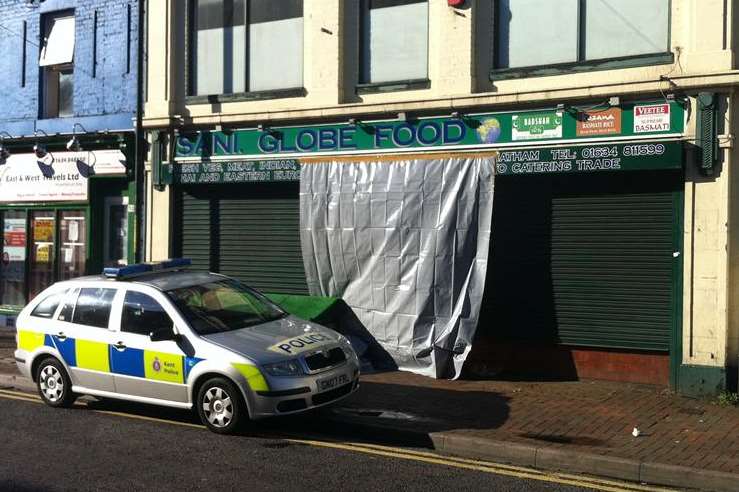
[[405, 244]]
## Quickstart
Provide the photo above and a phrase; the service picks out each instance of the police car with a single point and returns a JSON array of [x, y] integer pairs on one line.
[[161, 334]]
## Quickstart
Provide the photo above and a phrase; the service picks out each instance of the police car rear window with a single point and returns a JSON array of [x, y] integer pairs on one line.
[[47, 307]]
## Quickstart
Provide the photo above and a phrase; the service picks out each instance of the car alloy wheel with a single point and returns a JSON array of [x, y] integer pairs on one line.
[[220, 405], [53, 383]]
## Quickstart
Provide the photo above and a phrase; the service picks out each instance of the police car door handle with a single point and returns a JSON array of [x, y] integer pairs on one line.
[[120, 346], [61, 336]]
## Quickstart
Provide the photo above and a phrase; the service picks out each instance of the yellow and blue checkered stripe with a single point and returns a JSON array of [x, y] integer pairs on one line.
[[147, 364], [103, 357]]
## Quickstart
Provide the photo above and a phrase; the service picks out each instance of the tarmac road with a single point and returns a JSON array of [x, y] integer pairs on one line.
[[108, 445]]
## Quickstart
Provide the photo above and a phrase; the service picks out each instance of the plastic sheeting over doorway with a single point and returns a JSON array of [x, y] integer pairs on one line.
[[405, 244]]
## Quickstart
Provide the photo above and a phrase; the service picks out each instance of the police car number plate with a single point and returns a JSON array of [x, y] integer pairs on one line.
[[333, 382]]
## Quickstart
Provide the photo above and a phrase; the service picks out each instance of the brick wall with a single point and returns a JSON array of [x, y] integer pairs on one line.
[[104, 96]]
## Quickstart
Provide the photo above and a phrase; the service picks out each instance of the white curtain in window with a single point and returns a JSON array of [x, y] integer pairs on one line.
[[537, 32], [275, 44], [395, 41], [58, 47], [219, 65], [615, 28]]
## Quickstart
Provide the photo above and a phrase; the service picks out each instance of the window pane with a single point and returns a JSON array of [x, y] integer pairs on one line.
[[58, 44], [143, 315], [537, 32], [13, 266], [66, 93], [93, 307], [41, 268], [68, 309], [47, 307], [275, 44], [395, 44], [616, 28], [219, 47], [73, 248]]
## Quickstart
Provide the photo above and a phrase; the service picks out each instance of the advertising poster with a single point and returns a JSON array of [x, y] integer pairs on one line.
[[652, 118], [536, 126], [596, 123]]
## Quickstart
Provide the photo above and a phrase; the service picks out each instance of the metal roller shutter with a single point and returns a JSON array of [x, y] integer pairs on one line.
[[250, 232], [584, 260]]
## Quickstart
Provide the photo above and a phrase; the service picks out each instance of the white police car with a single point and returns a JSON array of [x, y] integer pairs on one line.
[[157, 333]]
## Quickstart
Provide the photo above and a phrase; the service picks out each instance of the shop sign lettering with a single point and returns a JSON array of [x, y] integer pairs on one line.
[[537, 126], [233, 172], [621, 157]]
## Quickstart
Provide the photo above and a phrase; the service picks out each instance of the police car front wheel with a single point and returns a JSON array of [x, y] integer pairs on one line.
[[53, 383], [220, 406]]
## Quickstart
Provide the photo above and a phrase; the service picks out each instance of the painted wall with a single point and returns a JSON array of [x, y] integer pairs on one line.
[[703, 33], [104, 95]]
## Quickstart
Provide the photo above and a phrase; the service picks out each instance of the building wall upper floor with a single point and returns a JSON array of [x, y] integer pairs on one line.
[[66, 62], [230, 61]]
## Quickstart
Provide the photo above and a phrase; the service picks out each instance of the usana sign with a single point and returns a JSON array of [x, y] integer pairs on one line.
[[634, 120]]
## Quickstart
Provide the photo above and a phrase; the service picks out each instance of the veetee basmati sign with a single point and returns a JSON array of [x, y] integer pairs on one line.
[[57, 177]]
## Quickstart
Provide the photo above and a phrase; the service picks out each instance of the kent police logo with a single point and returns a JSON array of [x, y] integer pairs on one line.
[[156, 365]]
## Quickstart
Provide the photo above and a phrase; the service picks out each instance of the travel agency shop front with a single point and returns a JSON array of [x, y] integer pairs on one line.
[[578, 272], [64, 214]]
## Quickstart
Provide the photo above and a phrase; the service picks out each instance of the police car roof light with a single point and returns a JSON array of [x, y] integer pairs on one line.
[[144, 268]]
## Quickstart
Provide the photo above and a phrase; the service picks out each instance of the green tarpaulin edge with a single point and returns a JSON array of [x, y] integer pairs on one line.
[[306, 307]]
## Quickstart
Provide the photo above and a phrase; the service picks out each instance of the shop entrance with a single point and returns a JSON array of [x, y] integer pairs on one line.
[[40, 247]]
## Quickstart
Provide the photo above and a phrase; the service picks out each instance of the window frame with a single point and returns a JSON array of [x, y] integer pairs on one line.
[[189, 65], [582, 64], [363, 87], [49, 74]]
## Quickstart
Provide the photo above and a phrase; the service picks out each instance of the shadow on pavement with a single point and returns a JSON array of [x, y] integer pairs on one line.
[[387, 414]]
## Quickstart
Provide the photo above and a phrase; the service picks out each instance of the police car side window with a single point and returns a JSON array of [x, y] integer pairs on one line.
[[47, 307], [143, 315], [68, 308], [93, 307]]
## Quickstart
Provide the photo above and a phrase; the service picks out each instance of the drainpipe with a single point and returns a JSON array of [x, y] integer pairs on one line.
[[140, 158]]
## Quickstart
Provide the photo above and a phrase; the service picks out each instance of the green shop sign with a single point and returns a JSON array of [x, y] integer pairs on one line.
[[590, 158], [650, 119], [231, 172]]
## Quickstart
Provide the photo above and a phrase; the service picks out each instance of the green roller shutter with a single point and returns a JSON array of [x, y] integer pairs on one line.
[[584, 260], [247, 231]]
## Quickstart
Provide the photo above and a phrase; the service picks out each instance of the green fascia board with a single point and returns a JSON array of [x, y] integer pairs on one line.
[[12, 310], [309, 308]]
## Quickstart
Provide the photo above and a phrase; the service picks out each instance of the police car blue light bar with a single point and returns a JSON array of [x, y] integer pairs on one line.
[[144, 268]]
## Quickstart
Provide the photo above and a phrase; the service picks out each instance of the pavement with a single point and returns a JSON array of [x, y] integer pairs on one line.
[[575, 427]]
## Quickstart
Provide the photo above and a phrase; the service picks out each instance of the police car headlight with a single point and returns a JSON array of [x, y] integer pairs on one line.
[[284, 368]]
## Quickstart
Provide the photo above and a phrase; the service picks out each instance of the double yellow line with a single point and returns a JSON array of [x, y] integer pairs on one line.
[[404, 454]]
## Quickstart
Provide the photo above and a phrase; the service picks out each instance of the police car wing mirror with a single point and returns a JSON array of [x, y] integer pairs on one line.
[[163, 334]]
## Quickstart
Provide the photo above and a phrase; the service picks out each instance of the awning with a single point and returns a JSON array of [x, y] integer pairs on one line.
[[59, 45]]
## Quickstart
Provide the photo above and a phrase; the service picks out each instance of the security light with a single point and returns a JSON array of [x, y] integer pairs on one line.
[[74, 143], [4, 152]]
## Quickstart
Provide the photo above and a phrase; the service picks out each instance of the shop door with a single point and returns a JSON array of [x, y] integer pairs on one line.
[[42, 252], [73, 248], [248, 231], [116, 231], [584, 260]]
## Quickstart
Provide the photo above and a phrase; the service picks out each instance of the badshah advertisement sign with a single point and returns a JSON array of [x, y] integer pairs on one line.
[[55, 177]]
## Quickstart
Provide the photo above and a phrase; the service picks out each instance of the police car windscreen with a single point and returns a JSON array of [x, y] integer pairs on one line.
[[224, 305]]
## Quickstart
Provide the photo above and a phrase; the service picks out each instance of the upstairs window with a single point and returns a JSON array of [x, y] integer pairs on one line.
[[245, 45], [394, 41], [532, 33], [57, 65]]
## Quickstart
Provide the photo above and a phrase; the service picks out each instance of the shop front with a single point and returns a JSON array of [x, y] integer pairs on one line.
[[582, 253], [63, 214]]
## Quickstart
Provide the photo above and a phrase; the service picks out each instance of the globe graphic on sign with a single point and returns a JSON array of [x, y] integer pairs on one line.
[[489, 131]]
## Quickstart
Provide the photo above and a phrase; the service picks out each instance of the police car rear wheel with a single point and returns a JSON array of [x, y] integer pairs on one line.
[[220, 406], [53, 383]]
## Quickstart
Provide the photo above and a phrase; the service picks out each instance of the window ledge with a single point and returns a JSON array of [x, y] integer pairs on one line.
[[247, 96], [400, 85], [586, 66]]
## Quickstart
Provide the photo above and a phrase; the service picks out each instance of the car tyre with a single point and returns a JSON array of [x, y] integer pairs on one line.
[[53, 383], [220, 406]]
